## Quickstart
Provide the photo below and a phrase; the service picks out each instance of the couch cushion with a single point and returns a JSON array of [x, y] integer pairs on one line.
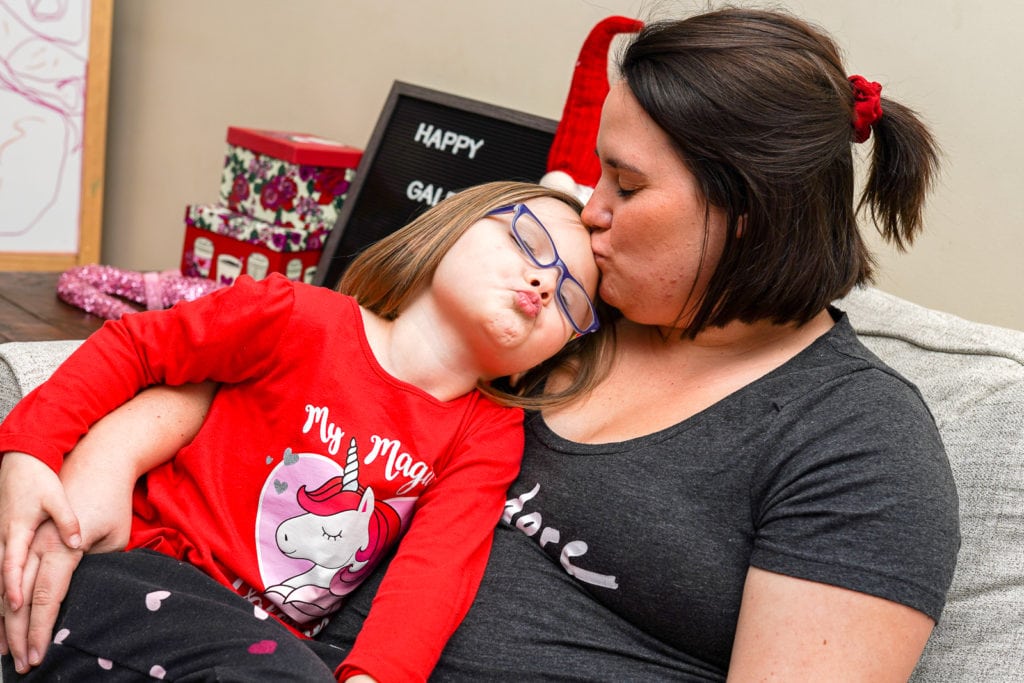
[[972, 377], [24, 365]]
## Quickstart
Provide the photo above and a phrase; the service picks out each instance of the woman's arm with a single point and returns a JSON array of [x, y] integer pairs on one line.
[[98, 478], [797, 630], [143, 433]]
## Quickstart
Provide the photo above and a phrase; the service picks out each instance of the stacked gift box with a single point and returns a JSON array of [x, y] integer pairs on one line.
[[280, 195]]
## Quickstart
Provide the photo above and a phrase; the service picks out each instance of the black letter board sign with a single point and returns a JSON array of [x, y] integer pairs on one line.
[[425, 146]]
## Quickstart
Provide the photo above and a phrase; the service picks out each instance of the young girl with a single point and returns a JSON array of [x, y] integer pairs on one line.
[[341, 424]]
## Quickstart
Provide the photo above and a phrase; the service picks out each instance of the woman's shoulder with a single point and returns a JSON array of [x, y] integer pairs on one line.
[[840, 367]]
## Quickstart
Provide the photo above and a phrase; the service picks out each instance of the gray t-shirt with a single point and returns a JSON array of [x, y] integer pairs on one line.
[[634, 555]]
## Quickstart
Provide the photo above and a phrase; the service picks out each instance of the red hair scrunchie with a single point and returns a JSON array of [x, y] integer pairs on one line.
[[867, 106]]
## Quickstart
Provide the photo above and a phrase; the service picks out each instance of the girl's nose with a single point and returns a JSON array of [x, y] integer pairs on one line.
[[543, 281]]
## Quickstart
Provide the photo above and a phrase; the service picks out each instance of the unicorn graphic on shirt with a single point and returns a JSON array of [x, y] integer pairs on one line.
[[343, 532]]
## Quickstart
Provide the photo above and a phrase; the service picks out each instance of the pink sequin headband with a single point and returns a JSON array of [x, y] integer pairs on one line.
[[106, 291], [867, 106]]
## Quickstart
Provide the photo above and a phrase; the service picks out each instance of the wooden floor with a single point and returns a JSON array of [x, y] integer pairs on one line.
[[31, 311]]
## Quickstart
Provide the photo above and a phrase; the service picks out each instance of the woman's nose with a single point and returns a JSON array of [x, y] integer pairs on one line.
[[595, 215]]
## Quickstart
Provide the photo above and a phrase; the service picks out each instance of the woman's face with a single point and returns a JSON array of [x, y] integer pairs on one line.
[[648, 219]]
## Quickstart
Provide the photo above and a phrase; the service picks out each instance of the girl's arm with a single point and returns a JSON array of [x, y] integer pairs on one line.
[[433, 577], [229, 335], [226, 336], [98, 482]]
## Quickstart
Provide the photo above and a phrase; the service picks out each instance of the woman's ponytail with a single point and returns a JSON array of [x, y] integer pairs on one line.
[[904, 164]]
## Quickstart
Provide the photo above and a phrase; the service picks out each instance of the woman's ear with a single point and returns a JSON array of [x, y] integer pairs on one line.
[[741, 224]]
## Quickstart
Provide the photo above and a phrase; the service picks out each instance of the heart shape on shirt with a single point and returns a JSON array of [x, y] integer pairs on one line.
[[263, 647], [154, 599]]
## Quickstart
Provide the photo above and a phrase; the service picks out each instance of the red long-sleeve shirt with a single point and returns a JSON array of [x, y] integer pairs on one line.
[[302, 399]]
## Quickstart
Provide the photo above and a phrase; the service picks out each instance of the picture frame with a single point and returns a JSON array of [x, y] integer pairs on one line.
[[426, 145], [35, 236]]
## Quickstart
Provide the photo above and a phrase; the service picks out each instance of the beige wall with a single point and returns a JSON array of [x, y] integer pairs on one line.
[[184, 70]]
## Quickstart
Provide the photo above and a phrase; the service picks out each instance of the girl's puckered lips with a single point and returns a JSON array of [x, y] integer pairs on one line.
[[529, 303]]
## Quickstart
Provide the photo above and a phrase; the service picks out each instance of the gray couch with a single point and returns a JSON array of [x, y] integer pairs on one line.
[[972, 376]]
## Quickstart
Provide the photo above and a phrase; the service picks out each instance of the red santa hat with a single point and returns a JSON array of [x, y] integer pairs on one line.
[[572, 164]]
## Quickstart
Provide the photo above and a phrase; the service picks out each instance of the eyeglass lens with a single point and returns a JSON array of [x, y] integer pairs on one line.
[[538, 246]]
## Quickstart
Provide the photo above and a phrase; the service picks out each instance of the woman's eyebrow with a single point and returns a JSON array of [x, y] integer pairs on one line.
[[620, 165]]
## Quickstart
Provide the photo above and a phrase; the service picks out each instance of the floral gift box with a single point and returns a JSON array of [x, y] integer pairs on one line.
[[287, 179], [221, 244]]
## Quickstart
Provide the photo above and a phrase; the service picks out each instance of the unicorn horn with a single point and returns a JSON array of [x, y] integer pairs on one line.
[[350, 482]]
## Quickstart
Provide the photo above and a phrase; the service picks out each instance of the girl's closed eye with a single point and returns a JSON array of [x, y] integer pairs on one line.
[[526, 244]]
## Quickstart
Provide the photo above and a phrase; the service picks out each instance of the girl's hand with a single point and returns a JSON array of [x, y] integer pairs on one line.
[[30, 494], [25, 633]]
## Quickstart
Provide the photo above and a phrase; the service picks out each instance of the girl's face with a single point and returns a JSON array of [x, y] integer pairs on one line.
[[503, 304], [647, 219]]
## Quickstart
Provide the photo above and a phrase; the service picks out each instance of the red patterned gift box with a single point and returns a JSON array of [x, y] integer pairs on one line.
[[288, 179], [221, 244]]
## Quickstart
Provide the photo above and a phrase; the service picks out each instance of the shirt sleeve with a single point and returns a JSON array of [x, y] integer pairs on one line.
[[859, 494], [433, 578], [226, 336]]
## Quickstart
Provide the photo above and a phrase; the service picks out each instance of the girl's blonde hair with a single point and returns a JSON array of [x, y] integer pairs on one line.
[[388, 273]]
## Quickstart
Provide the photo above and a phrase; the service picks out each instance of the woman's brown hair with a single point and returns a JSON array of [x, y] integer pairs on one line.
[[759, 106], [390, 272]]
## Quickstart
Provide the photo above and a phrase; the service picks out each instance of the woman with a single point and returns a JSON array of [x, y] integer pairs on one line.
[[749, 492]]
